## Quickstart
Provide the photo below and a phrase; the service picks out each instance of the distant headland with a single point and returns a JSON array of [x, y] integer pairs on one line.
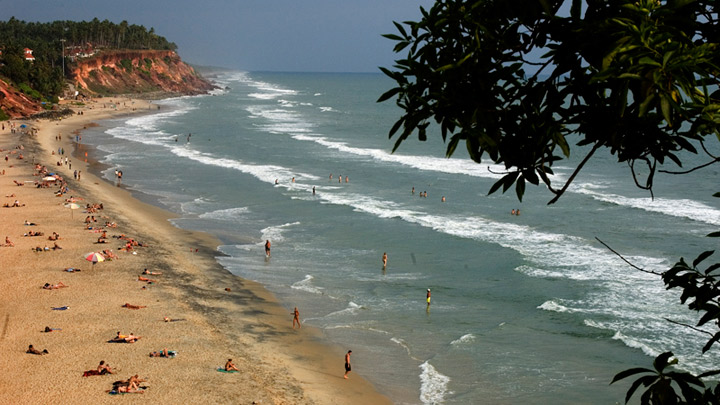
[[43, 63]]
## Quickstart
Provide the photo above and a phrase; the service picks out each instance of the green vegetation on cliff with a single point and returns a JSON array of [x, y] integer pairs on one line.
[[55, 44]]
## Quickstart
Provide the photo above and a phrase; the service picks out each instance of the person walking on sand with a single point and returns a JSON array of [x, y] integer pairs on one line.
[[384, 259], [347, 363], [267, 247], [296, 318]]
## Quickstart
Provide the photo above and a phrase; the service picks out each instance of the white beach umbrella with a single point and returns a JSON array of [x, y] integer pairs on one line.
[[73, 207]]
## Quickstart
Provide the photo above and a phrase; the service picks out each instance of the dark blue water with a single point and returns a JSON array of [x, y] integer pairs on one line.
[[525, 309]]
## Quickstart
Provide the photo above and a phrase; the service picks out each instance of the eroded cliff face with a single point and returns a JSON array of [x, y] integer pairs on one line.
[[126, 72], [16, 104]]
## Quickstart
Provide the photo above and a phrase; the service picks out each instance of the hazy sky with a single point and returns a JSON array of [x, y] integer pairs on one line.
[[277, 35]]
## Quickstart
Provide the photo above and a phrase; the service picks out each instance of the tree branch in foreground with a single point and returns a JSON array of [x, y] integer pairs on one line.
[[689, 326], [627, 261]]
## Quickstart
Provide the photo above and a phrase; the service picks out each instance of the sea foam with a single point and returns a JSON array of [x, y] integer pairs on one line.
[[433, 385]]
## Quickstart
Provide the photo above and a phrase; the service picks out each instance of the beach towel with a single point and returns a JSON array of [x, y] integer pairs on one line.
[[60, 308], [91, 373], [222, 370]]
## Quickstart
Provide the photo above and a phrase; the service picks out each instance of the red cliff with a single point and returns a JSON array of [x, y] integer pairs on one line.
[[16, 104], [141, 71]]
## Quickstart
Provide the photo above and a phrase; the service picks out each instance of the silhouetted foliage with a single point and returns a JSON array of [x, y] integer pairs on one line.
[[638, 78]]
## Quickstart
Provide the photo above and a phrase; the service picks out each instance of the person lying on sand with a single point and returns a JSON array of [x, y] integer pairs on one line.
[[49, 286], [151, 273], [49, 329], [131, 338], [28, 223], [164, 353], [32, 233], [101, 240], [15, 203], [168, 319], [229, 366], [109, 254], [17, 183], [71, 269], [131, 306], [56, 246], [40, 249], [141, 278], [32, 350], [54, 236], [129, 390]]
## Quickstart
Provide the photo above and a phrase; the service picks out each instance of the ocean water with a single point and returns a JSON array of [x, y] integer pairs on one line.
[[527, 309]]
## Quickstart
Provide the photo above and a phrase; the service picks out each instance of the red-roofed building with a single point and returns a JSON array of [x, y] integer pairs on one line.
[[29, 55]]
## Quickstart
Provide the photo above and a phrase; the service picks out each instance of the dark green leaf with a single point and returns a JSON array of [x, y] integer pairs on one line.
[[627, 373], [703, 256], [388, 94], [520, 188], [393, 37]]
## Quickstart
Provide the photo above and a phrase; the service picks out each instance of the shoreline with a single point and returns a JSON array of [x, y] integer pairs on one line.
[[278, 364]]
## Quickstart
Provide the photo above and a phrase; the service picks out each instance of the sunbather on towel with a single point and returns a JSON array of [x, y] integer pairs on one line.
[[229, 366], [131, 338], [163, 353]]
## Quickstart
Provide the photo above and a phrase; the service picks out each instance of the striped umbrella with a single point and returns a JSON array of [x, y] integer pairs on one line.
[[94, 257]]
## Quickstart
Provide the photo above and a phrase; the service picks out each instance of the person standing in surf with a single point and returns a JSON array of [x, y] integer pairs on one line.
[[267, 248], [384, 260], [427, 297]]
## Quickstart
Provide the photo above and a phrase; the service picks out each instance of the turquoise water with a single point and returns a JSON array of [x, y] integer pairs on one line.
[[526, 309]]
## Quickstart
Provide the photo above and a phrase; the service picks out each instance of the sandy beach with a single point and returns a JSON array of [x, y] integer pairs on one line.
[[219, 316]]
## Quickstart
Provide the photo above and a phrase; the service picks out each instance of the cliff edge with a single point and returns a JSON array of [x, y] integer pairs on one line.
[[137, 72], [16, 104]]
